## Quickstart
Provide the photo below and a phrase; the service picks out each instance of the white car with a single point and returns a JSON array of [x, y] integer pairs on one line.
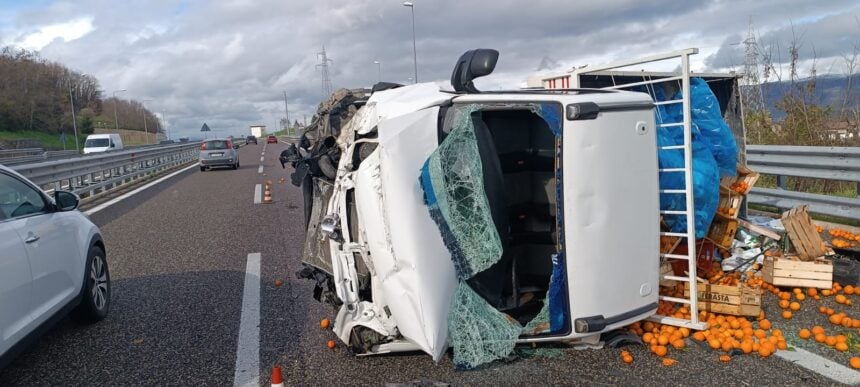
[[53, 263]]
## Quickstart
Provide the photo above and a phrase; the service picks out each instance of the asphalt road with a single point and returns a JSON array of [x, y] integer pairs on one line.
[[177, 254]]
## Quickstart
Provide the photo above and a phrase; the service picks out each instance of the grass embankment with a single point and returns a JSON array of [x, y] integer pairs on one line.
[[49, 141]]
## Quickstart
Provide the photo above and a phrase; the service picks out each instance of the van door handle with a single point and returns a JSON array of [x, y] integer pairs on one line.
[[31, 238]]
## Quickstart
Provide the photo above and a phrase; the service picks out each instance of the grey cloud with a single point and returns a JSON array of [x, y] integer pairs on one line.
[[180, 54]]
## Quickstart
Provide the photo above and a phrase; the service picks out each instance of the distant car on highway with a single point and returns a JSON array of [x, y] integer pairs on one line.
[[271, 140], [218, 152], [53, 263], [251, 139]]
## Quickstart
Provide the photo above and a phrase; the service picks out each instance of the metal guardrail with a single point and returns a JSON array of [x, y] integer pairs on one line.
[[93, 175], [827, 163]]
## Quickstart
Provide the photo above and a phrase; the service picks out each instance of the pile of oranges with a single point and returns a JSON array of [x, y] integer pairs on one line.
[[726, 211], [841, 239], [740, 187], [732, 335]]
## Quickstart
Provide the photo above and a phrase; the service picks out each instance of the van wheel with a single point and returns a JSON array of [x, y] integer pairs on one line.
[[95, 303], [202, 169]]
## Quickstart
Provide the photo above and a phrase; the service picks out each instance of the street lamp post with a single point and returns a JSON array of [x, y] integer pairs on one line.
[[378, 70], [115, 119], [143, 104], [411, 6]]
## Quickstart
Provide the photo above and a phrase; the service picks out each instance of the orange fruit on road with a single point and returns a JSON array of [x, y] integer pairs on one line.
[[795, 306], [840, 299], [786, 314], [725, 358], [660, 351], [841, 338], [836, 319], [805, 334], [678, 344], [822, 309], [714, 343], [628, 359], [830, 340], [325, 323], [764, 351], [817, 329], [812, 292], [764, 324], [331, 344], [669, 362], [800, 296], [855, 363], [849, 290], [699, 336], [820, 337], [784, 304]]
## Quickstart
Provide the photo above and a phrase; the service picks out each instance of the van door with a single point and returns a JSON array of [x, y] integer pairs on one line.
[[611, 216]]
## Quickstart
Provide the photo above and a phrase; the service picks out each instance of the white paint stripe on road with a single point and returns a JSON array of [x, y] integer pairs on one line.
[[260, 169], [248, 348], [261, 159], [263, 153], [134, 192], [821, 365], [258, 194]]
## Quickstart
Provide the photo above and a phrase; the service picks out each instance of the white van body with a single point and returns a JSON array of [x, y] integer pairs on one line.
[[97, 143]]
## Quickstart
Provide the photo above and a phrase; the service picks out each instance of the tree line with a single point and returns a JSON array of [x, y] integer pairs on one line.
[[37, 95]]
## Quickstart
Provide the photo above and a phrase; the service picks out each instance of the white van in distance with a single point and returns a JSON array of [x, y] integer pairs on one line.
[[97, 143]]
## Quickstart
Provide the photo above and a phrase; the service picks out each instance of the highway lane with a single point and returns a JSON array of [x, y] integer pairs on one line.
[[178, 256]]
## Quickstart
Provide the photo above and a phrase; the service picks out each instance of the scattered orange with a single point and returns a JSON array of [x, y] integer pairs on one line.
[[795, 306], [678, 344], [784, 304], [849, 290], [278, 283], [324, 323], [330, 344], [830, 340], [836, 319], [725, 358], [840, 299], [805, 334], [660, 351], [669, 362], [812, 292], [854, 362], [786, 314], [714, 343], [764, 324], [817, 329], [820, 337], [699, 336], [800, 296]]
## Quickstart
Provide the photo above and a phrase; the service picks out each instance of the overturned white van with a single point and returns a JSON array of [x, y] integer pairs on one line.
[[479, 220]]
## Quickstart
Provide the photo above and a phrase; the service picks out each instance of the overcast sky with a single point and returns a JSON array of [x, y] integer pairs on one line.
[[227, 63]]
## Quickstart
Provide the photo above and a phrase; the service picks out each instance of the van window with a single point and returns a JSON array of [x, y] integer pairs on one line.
[[96, 143]]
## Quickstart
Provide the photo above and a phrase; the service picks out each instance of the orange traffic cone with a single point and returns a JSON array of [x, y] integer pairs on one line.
[[277, 379], [267, 196]]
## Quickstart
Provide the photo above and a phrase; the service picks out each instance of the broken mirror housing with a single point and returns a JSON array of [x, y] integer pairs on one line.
[[473, 64]]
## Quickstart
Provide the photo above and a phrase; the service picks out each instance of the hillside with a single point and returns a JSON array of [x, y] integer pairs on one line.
[[37, 97], [829, 91]]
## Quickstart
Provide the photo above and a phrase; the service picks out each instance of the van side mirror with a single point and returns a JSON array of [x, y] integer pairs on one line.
[[66, 201], [112, 145], [473, 64]]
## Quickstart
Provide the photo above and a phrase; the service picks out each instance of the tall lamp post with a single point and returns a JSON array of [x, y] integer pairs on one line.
[[378, 70], [143, 104], [411, 6], [115, 120]]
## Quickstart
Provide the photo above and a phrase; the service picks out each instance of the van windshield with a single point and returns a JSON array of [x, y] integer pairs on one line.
[[96, 143]]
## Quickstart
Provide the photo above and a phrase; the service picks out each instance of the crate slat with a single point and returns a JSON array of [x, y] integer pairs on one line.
[[802, 233], [790, 273]]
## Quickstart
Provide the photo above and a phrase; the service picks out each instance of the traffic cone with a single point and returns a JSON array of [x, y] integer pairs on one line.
[[267, 196], [277, 379]]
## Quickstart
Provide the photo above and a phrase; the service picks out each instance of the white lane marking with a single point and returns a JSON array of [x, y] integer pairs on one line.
[[263, 153], [134, 192], [260, 169], [258, 194], [261, 159], [248, 348], [821, 365]]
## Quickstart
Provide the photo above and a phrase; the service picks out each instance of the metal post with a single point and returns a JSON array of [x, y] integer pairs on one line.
[[74, 119], [115, 119], [145, 130], [411, 6]]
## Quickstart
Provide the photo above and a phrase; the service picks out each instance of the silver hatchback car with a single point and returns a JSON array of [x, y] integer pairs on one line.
[[218, 152]]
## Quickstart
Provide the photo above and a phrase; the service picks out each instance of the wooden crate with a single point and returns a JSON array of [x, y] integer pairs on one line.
[[739, 300], [722, 231], [666, 269], [802, 234], [744, 175], [795, 273], [729, 205]]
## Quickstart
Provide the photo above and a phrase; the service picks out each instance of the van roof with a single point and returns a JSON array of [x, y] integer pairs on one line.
[[102, 135]]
